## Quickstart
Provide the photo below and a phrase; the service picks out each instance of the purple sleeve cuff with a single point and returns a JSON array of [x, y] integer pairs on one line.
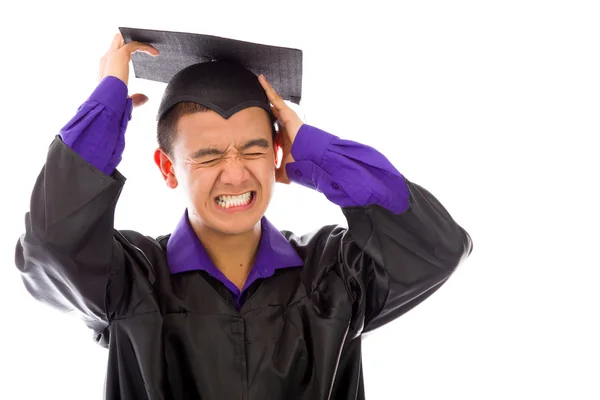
[[347, 173], [112, 93], [311, 144]]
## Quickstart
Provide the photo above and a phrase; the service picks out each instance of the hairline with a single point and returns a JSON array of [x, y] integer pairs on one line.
[[172, 128]]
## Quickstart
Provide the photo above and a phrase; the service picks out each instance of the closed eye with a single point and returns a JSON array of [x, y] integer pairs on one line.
[[209, 161], [214, 160]]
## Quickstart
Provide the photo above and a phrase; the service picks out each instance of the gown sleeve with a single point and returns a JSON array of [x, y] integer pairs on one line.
[[401, 244], [70, 257]]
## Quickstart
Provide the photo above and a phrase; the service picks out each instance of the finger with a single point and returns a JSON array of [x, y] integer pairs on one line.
[[133, 47], [275, 112], [271, 93], [139, 99], [273, 97], [116, 43], [285, 117]]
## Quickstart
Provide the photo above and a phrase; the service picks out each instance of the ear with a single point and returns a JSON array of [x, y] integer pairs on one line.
[[277, 150], [165, 165]]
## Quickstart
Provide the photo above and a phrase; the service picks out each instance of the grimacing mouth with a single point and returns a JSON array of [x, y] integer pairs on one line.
[[252, 196]]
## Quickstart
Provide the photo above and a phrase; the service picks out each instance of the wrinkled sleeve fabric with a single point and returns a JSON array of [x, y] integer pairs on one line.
[[346, 172], [401, 244], [97, 131], [69, 256]]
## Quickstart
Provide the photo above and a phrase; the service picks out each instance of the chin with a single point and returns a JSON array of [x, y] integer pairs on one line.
[[237, 224]]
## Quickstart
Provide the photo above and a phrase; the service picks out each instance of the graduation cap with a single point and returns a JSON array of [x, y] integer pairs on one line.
[[218, 73]]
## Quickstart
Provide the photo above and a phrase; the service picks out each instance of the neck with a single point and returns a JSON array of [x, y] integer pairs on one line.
[[233, 255]]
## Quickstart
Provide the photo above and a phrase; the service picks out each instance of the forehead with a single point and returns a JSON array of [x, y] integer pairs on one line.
[[209, 128]]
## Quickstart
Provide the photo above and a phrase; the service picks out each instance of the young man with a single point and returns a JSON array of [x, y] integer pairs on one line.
[[227, 306]]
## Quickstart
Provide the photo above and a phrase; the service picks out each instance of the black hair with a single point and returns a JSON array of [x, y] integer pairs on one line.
[[166, 129]]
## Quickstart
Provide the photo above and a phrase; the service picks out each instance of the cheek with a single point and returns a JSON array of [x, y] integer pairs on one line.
[[196, 182], [264, 170]]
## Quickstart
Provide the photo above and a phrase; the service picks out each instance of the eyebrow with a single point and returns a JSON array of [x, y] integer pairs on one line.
[[264, 143]]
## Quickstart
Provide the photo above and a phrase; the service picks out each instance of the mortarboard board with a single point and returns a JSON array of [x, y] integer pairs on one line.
[[216, 72]]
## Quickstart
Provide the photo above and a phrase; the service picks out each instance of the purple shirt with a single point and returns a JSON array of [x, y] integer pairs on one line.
[[347, 173], [97, 131]]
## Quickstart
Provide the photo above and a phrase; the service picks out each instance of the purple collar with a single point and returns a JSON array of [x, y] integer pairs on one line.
[[185, 252]]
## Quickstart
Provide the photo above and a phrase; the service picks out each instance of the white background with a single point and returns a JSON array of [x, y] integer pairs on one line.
[[492, 106]]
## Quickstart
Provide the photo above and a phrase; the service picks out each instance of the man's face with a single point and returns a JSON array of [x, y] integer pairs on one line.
[[226, 168]]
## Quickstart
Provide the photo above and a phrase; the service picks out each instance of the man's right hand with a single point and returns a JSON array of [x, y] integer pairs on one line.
[[116, 62]]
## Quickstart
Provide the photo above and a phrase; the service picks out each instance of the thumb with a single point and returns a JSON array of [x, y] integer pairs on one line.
[[139, 99]]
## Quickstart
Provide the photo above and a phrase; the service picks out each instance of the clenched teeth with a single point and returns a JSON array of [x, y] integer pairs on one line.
[[234, 201]]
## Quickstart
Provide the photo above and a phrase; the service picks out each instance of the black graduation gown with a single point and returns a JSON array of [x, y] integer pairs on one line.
[[297, 335]]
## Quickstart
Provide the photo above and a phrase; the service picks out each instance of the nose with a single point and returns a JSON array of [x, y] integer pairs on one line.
[[234, 172]]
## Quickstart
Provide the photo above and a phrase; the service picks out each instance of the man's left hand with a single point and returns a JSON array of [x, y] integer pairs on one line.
[[289, 125]]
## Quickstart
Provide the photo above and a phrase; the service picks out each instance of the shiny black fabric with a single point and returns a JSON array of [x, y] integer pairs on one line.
[[297, 335]]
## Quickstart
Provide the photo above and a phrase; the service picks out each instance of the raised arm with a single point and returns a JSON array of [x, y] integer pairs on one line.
[[401, 244], [70, 256]]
